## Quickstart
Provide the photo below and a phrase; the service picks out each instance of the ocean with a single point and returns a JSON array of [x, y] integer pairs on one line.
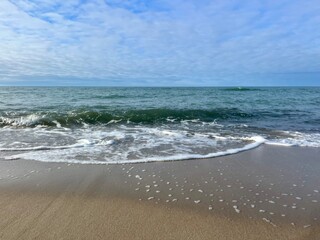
[[110, 125]]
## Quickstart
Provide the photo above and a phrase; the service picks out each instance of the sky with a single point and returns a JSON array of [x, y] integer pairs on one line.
[[160, 42]]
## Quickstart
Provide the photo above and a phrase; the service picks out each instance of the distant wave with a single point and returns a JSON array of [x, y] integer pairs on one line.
[[241, 89], [113, 96]]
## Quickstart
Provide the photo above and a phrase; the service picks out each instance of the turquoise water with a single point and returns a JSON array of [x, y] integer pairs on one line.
[[112, 125]]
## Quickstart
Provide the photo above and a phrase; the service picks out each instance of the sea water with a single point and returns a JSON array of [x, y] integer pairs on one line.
[[127, 125]]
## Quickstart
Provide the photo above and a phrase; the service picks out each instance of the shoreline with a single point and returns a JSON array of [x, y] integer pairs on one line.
[[245, 193], [258, 142]]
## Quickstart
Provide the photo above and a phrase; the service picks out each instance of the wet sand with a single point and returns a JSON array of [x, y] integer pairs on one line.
[[267, 193]]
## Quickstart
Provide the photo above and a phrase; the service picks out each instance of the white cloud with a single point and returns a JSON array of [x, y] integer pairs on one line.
[[185, 41]]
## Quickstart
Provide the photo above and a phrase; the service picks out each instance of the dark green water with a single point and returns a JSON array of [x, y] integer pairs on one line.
[[141, 124]]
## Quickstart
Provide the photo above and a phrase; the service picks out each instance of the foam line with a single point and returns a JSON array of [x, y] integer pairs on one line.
[[257, 142], [38, 148]]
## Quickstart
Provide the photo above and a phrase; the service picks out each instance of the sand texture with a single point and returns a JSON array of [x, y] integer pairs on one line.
[[266, 193]]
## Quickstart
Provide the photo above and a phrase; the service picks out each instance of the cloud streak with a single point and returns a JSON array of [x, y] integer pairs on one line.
[[161, 42]]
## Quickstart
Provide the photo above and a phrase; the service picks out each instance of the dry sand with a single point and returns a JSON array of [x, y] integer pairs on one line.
[[266, 193]]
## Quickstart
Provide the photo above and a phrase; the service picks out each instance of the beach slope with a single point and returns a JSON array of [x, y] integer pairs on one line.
[[265, 193]]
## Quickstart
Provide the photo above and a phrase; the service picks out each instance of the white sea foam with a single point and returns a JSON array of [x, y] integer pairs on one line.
[[22, 121], [135, 143], [297, 139], [57, 124], [79, 144], [69, 155]]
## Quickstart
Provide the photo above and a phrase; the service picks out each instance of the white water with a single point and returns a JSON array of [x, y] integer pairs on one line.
[[56, 157], [135, 144]]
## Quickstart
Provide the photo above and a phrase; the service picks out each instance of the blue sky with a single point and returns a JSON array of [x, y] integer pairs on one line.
[[159, 43]]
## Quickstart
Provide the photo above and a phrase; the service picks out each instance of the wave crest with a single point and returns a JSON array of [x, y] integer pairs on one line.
[[145, 116]]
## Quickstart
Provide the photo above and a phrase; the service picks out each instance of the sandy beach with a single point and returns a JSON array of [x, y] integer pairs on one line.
[[159, 120], [269, 192]]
